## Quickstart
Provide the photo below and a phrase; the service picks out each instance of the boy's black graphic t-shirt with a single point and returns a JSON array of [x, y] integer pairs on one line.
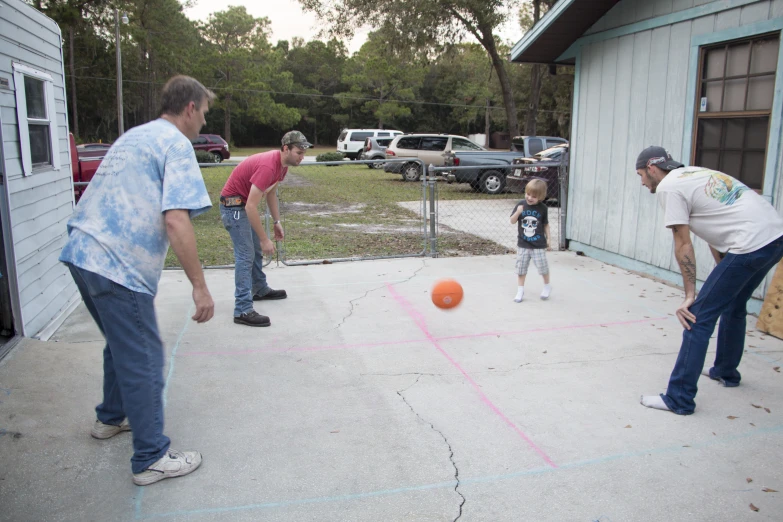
[[531, 225]]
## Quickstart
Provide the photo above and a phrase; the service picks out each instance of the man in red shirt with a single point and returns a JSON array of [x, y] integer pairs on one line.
[[253, 179]]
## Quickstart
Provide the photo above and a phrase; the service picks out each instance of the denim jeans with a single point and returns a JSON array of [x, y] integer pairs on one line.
[[133, 361], [249, 277], [725, 295]]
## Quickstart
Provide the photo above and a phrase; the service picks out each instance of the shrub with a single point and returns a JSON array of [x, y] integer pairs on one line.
[[203, 156], [329, 156]]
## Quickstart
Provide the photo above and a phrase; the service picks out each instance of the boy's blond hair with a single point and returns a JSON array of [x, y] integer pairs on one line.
[[537, 189]]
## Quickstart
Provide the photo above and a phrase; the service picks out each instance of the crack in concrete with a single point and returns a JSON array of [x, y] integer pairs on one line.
[[350, 312], [448, 444]]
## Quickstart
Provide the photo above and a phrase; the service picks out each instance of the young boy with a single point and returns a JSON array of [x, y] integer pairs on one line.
[[532, 221]]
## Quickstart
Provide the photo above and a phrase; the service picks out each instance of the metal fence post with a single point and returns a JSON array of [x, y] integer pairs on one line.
[[433, 213]]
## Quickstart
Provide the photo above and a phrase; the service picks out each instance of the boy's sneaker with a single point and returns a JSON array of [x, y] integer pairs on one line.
[[107, 431], [270, 295], [252, 318], [173, 464]]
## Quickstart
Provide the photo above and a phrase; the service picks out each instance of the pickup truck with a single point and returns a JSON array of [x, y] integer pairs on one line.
[[83, 168], [492, 166]]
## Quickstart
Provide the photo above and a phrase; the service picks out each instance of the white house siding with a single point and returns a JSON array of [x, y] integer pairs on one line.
[[632, 94], [41, 203]]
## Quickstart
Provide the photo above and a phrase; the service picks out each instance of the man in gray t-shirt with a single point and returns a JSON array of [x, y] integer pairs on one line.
[[745, 235]]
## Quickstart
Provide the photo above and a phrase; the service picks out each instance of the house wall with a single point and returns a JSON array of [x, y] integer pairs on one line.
[[38, 205], [636, 80]]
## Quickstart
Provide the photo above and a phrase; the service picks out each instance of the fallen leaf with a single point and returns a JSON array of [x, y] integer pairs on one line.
[[768, 490], [687, 446], [335, 431], [731, 417], [755, 405], [752, 424], [714, 433], [544, 351], [754, 508], [628, 426], [767, 410], [777, 369], [749, 480]]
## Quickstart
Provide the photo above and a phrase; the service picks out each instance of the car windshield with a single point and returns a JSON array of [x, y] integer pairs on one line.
[[552, 153]]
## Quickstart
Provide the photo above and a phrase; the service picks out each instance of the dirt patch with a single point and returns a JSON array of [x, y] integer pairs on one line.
[[320, 209], [293, 180]]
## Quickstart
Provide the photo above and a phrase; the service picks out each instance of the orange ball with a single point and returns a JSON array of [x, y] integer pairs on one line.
[[447, 293]]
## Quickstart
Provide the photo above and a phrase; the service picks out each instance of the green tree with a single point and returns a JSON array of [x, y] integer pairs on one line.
[[245, 69], [427, 24]]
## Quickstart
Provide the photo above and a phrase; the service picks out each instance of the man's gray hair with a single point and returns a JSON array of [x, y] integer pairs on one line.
[[179, 91]]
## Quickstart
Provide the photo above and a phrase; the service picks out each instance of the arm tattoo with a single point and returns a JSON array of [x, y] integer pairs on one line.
[[689, 268]]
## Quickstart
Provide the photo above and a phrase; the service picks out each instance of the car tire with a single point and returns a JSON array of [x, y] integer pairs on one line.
[[411, 172], [217, 157], [376, 164], [476, 186], [492, 182]]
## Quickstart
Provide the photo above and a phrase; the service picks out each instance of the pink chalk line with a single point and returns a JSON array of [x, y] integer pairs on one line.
[[278, 349], [421, 323]]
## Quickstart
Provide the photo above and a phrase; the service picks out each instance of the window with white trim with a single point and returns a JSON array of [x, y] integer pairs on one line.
[[36, 119]]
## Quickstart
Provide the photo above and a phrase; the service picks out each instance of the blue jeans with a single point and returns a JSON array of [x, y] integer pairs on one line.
[[132, 363], [725, 295], [249, 277]]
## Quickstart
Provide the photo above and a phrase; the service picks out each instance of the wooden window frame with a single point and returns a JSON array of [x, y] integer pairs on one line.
[[23, 122]]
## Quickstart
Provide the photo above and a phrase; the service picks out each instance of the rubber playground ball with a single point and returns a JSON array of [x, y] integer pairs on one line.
[[447, 293]]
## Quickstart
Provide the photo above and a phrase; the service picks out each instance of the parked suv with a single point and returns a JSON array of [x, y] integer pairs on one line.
[[350, 142], [213, 144], [375, 149], [429, 148]]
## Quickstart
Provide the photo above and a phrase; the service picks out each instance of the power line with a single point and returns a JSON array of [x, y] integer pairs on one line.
[[333, 96]]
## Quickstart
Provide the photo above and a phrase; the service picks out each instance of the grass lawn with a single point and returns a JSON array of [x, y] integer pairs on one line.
[[343, 211]]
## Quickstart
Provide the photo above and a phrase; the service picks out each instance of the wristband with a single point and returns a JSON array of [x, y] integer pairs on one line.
[[277, 222]]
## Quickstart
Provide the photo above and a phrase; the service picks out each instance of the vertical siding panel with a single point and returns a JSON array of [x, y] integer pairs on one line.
[[621, 173], [590, 142], [579, 183], [753, 13], [662, 7], [681, 5], [776, 9], [727, 19], [674, 120], [644, 10], [603, 165], [653, 135], [635, 140], [626, 12]]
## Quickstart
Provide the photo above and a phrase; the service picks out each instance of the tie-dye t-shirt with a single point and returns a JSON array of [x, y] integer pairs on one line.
[[723, 211], [118, 230]]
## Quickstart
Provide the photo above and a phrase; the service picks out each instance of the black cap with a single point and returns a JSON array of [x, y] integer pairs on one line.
[[657, 156]]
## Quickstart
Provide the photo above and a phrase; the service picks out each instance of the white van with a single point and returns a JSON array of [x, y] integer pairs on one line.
[[351, 141]]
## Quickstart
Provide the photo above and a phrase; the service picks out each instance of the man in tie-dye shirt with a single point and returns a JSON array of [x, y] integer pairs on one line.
[[142, 198]]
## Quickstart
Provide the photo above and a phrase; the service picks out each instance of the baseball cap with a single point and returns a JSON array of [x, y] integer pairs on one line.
[[659, 156], [297, 139]]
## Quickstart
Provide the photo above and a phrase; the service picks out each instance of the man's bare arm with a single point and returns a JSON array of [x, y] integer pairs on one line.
[[183, 242], [686, 257]]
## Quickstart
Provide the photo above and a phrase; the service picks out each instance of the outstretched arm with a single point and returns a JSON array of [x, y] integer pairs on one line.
[[686, 257]]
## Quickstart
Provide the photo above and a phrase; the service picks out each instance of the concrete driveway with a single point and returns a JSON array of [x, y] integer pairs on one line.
[[363, 402]]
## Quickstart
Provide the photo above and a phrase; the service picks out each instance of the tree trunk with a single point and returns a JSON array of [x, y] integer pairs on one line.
[[486, 126], [72, 67], [535, 97], [505, 83]]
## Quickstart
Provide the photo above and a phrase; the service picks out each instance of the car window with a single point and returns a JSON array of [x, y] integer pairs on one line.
[[360, 136], [535, 145], [343, 134], [408, 143], [433, 143], [199, 141], [384, 142], [463, 144], [384, 134]]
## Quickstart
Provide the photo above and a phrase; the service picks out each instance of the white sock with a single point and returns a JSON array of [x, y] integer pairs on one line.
[[520, 294], [546, 291], [655, 402]]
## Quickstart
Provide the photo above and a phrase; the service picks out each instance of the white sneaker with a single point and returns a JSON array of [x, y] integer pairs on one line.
[[173, 464], [107, 431]]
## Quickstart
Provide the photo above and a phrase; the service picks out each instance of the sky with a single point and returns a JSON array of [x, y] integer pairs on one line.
[[289, 20]]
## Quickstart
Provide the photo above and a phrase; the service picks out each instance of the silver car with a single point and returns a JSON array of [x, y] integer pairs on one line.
[[374, 149]]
